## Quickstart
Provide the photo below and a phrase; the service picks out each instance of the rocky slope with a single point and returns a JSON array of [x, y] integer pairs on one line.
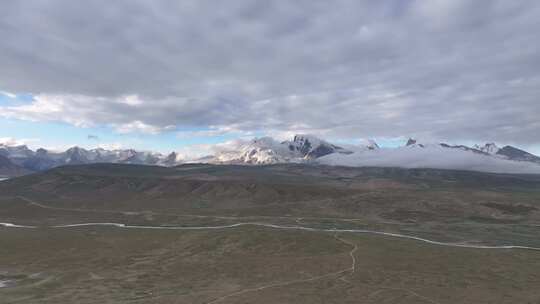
[[9, 169]]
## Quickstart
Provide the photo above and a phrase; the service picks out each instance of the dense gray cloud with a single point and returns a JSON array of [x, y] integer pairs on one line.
[[463, 70]]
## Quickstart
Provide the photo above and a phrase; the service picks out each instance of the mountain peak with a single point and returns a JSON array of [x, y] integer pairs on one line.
[[304, 137], [170, 160], [410, 142], [41, 152], [74, 149], [312, 147], [514, 153], [490, 148], [76, 155], [372, 144]]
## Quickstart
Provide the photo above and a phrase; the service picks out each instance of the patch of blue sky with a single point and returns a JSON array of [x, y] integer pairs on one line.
[[59, 135], [383, 142], [10, 99], [5, 99]]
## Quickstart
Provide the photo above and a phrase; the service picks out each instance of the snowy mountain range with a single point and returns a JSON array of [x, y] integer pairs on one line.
[[19, 159]]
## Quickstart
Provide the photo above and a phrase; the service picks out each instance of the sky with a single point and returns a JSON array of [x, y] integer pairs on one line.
[[172, 75]]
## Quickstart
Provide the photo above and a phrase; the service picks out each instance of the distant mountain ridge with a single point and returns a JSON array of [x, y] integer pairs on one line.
[[441, 156], [42, 159], [301, 149], [9, 169], [506, 152], [517, 154]]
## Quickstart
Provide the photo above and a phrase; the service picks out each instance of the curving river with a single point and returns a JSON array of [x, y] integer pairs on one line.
[[397, 235]]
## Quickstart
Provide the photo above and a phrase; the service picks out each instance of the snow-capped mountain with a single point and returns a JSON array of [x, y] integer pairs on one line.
[[20, 151], [311, 147], [412, 142], [516, 154], [266, 150], [489, 148], [258, 151]]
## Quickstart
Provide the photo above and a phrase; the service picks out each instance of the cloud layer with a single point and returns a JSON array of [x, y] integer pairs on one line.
[[431, 157], [463, 70]]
